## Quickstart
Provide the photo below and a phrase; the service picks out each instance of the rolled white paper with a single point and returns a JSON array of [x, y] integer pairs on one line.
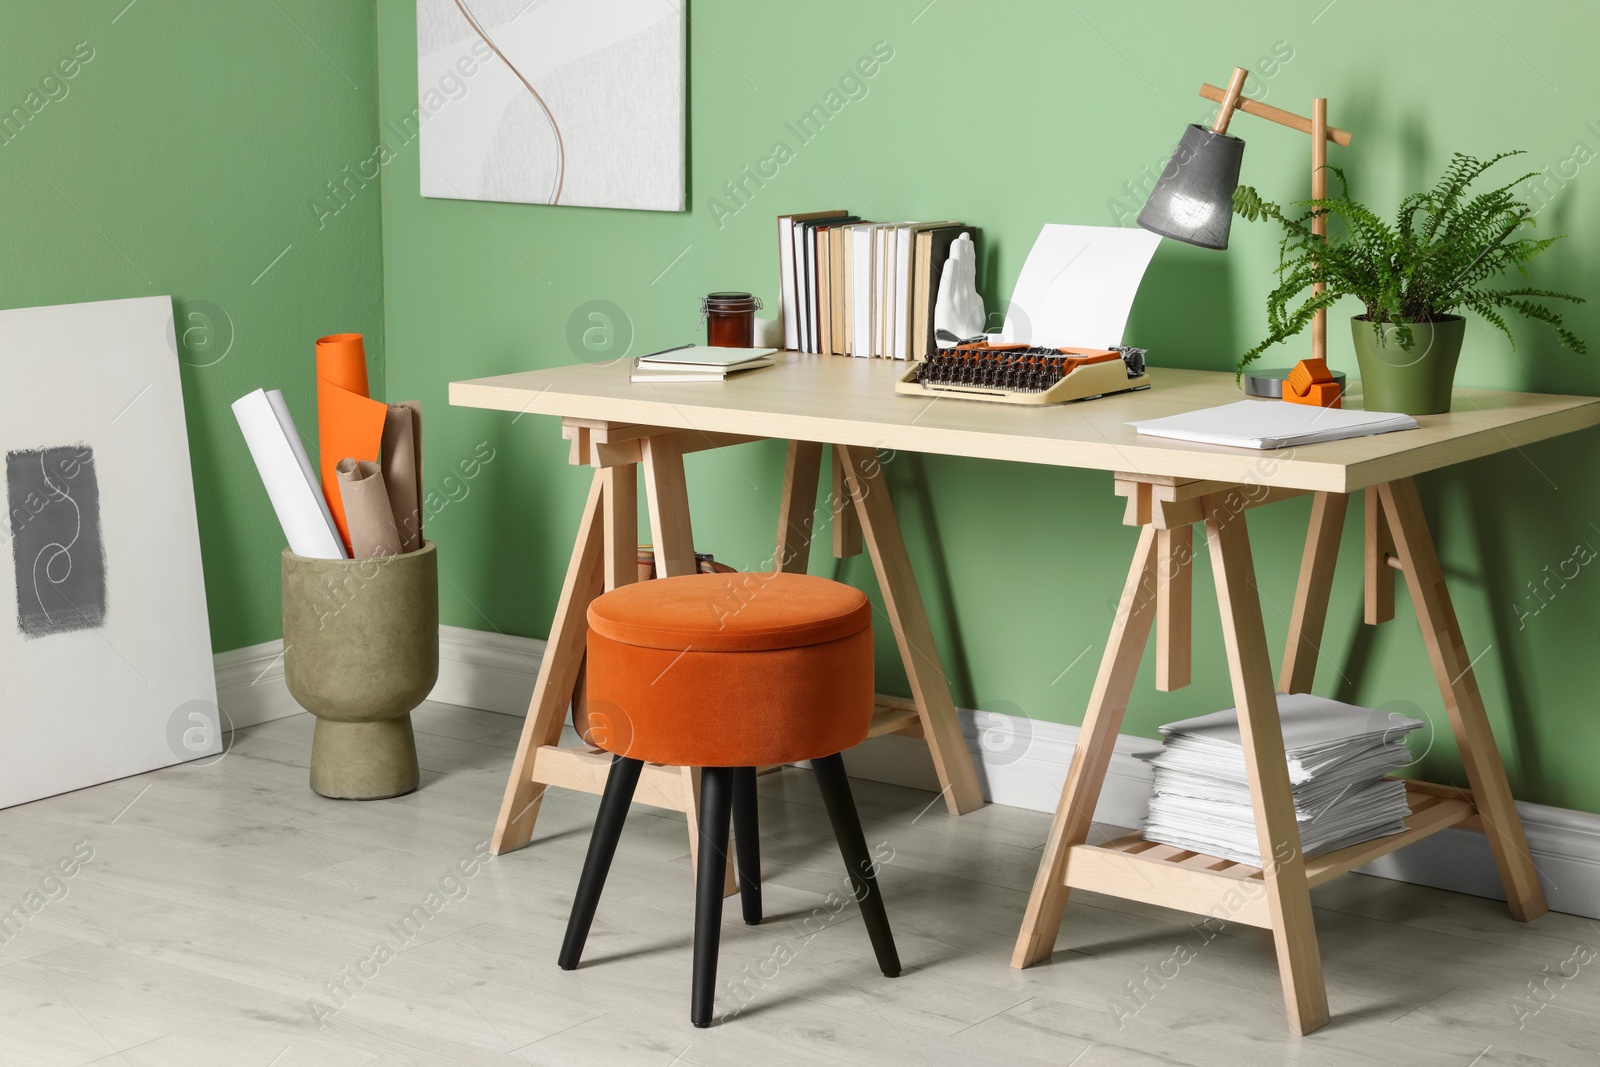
[[291, 433], [285, 469]]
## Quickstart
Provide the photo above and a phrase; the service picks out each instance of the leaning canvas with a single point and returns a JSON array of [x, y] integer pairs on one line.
[[105, 650], [577, 102]]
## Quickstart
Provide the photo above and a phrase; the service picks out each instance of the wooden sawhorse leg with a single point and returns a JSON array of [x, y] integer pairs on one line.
[[936, 719], [1092, 757], [802, 472], [1283, 875], [1294, 932], [558, 674], [672, 538], [802, 475], [1312, 592], [1397, 538], [1452, 667], [604, 556]]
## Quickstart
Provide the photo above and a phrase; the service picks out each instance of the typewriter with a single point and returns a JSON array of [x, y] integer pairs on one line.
[[978, 369]]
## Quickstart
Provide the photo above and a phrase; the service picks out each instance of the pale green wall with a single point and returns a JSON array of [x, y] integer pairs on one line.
[[182, 159], [199, 138], [1020, 565]]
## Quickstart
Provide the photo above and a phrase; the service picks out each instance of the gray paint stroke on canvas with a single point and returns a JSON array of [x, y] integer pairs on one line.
[[53, 503]]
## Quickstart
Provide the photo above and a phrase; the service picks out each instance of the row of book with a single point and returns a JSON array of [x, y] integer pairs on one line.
[[858, 288]]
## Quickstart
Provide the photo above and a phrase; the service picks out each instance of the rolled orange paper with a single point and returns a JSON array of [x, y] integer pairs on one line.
[[349, 423]]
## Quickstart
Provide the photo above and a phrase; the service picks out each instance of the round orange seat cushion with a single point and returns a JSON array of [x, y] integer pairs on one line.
[[730, 670]]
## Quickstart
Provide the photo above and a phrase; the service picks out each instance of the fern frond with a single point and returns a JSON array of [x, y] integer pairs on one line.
[[1494, 318], [1436, 257]]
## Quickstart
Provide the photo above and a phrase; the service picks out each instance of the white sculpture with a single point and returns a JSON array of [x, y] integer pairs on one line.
[[958, 314]]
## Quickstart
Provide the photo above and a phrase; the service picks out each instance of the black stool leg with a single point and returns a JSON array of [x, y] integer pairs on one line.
[[747, 843], [716, 797], [614, 804], [835, 786]]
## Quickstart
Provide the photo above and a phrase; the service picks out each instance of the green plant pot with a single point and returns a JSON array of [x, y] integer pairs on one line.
[[1415, 381], [361, 650]]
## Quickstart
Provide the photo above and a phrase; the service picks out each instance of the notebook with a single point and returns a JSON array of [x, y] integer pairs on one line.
[[1272, 424], [699, 363], [702, 356]]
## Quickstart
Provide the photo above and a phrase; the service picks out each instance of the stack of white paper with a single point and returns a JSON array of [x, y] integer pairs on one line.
[[1272, 424], [1338, 755]]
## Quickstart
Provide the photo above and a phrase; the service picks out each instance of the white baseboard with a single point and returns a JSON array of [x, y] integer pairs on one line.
[[487, 671], [1021, 763], [250, 686], [492, 672]]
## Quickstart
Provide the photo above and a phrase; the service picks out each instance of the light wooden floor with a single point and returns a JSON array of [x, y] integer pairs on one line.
[[220, 899]]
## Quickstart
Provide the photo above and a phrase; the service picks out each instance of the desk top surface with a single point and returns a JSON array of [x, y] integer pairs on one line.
[[853, 402]]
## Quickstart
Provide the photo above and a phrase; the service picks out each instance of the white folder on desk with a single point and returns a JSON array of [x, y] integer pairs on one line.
[[1272, 424]]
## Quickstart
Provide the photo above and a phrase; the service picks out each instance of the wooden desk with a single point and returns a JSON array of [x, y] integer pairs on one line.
[[1170, 487]]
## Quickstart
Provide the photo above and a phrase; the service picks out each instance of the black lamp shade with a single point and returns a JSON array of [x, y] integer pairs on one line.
[[1193, 199]]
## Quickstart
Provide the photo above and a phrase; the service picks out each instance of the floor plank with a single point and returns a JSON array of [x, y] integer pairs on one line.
[[220, 912]]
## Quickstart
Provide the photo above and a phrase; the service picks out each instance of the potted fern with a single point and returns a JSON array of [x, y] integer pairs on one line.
[[1415, 277]]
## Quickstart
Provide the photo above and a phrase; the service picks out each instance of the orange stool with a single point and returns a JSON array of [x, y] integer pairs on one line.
[[727, 673]]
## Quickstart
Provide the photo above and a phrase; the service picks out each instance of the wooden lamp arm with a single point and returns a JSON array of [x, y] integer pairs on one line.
[[1232, 100]]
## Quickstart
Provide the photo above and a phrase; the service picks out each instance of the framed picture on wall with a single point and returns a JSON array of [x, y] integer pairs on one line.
[[105, 647], [577, 102]]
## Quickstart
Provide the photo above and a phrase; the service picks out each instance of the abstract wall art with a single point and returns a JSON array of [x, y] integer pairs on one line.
[[105, 646], [577, 102], [54, 506]]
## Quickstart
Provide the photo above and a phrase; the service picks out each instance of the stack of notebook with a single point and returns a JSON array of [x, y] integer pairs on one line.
[[858, 288], [1338, 754], [699, 363]]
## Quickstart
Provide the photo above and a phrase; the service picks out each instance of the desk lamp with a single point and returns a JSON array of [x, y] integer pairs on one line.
[[1193, 199]]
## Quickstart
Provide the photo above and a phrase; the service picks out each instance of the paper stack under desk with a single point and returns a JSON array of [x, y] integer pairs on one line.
[[1338, 756]]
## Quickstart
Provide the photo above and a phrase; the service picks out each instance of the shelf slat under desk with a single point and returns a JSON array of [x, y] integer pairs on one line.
[[586, 769], [1172, 877]]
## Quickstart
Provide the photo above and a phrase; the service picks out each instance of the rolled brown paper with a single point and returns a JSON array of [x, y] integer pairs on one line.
[[402, 470], [366, 509]]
